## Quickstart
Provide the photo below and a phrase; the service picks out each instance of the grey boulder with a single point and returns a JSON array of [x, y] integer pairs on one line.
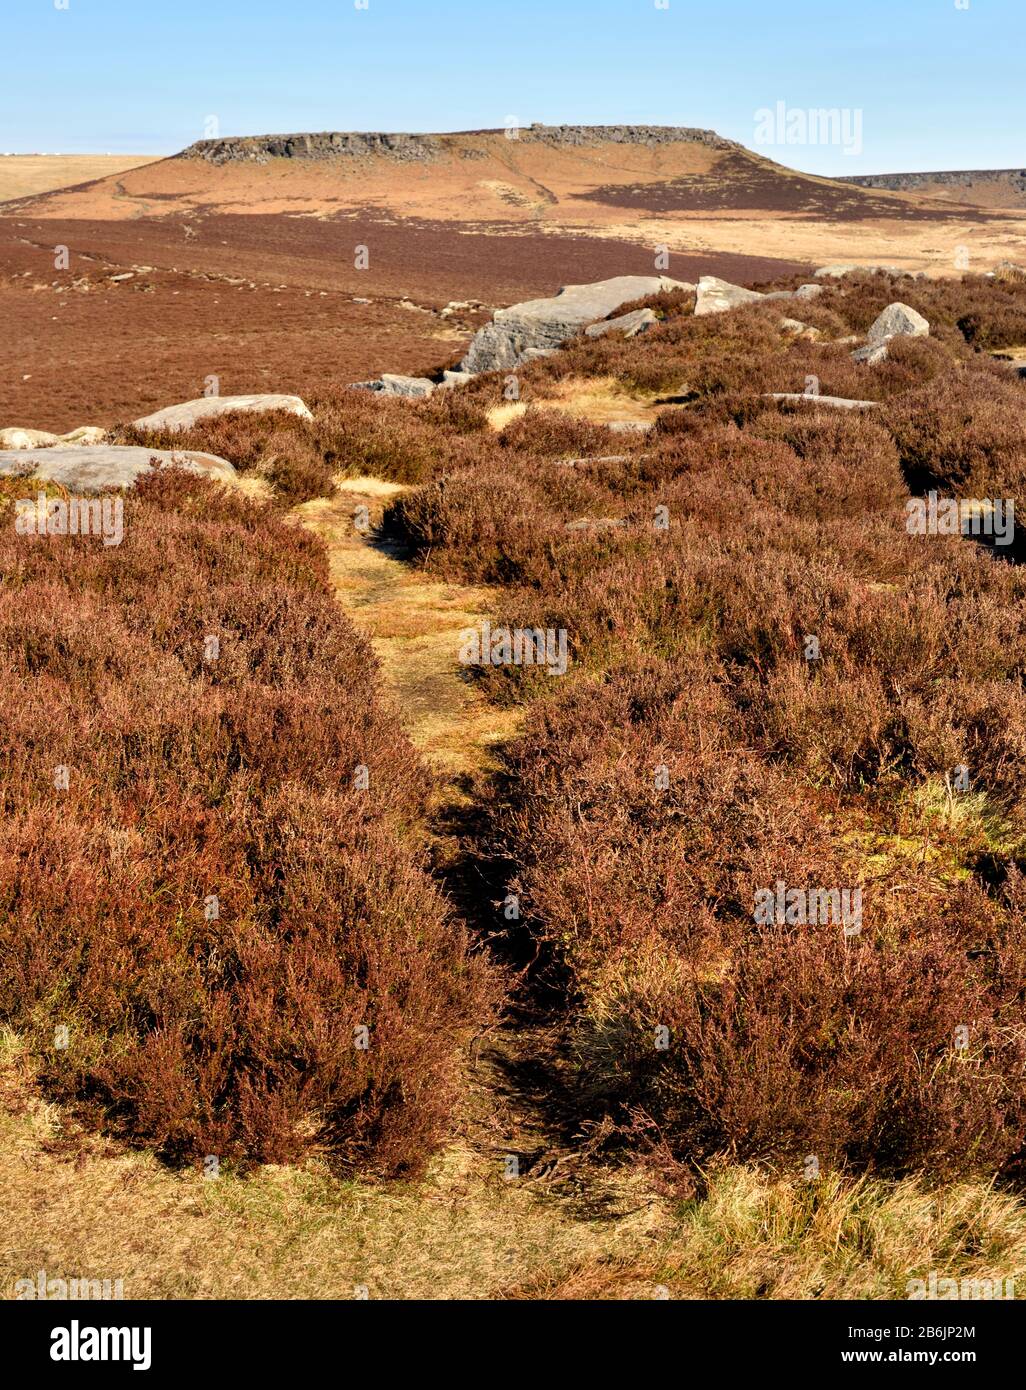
[[898, 321], [185, 415], [802, 292], [93, 468], [794, 328], [16, 438], [871, 354], [392, 384], [412, 387], [717, 296]]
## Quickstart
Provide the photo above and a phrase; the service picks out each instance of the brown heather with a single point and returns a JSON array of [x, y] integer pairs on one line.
[[688, 645], [235, 779], [689, 656]]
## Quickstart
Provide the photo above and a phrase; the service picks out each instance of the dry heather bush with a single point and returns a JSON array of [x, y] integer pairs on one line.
[[554, 434], [963, 433], [192, 779], [689, 647], [784, 1040], [745, 353], [352, 432], [276, 445]]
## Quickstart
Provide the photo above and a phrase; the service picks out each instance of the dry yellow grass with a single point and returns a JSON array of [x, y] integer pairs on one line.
[[79, 1206], [601, 399], [22, 175]]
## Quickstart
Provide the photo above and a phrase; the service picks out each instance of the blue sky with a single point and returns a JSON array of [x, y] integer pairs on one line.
[[937, 86]]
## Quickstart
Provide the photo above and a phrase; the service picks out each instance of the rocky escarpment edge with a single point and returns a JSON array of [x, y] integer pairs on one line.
[[409, 148]]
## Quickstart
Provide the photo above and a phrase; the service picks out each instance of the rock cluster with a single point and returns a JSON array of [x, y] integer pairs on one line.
[[15, 438], [545, 324], [391, 384]]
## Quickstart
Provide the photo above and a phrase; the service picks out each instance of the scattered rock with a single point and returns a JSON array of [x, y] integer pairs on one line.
[[717, 296], [185, 415], [627, 325], [92, 468], [837, 272], [545, 324], [872, 354], [627, 426], [15, 438], [461, 306], [838, 402], [413, 387], [796, 329], [85, 434], [455, 379], [898, 320], [802, 292], [599, 458], [392, 384]]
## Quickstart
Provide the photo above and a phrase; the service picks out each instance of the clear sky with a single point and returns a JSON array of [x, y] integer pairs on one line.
[[925, 84]]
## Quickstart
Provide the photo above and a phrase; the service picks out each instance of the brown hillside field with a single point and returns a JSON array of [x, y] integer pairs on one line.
[[688, 196], [267, 303], [247, 270]]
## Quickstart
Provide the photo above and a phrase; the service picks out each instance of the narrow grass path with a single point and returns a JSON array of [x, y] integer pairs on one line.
[[414, 624]]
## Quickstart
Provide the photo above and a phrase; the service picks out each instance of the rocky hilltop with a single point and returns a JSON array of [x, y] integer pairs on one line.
[[948, 178], [406, 148], [984, 188]]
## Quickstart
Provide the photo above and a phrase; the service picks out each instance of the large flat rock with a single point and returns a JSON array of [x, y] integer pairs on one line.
[[834, 402], [393, 384], [186, 414], [543, 324], [716, 296], [95, 468]]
